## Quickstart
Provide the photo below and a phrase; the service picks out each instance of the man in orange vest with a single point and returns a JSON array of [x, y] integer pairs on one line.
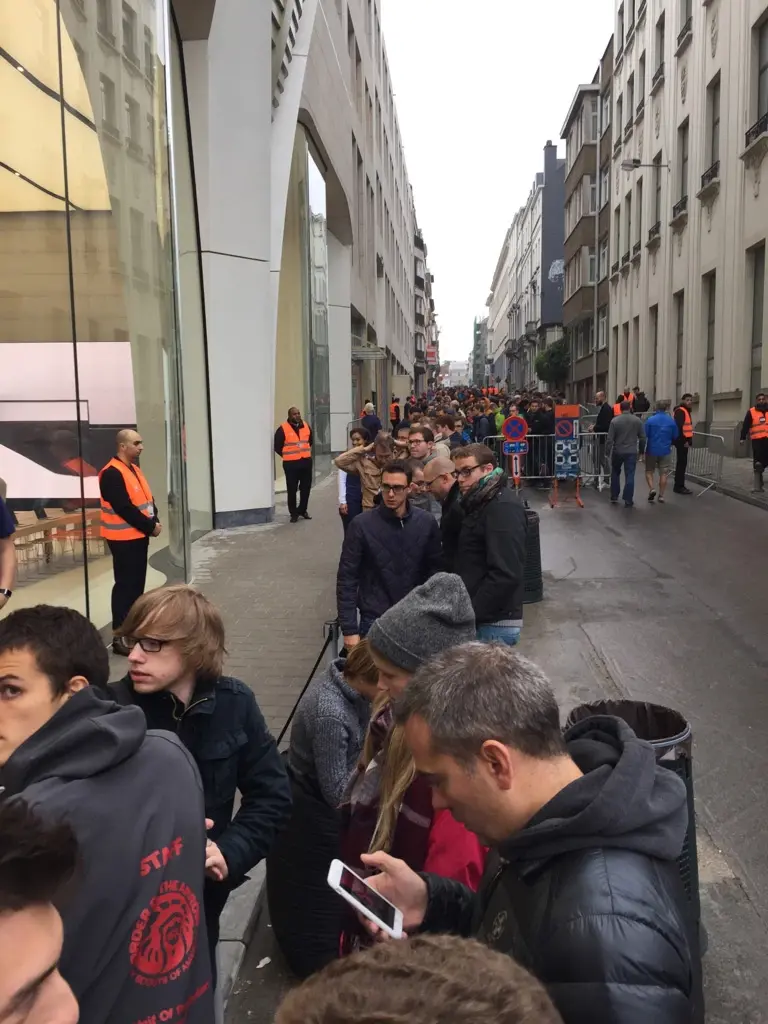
[[394, 413], [293, 443], [684, 441], [128, 520], [755, 426]]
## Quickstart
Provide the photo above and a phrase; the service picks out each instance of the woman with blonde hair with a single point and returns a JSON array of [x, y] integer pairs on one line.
[[388, 806]]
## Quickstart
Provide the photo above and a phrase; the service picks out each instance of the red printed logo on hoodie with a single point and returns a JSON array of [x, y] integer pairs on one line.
[[164, 939]]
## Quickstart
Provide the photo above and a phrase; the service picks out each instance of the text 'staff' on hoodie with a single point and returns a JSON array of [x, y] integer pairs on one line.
[[135, 947]]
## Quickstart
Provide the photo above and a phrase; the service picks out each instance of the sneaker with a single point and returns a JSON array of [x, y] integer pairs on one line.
[[661, 499], [651, 495]]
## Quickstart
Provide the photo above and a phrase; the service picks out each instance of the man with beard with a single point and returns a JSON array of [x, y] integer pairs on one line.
[[293, 443], [490, 556]]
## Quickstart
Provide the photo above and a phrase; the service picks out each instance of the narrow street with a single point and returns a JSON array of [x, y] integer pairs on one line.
[[661, 604]]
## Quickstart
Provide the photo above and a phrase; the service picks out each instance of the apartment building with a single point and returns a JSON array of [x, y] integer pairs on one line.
[[478, 359], [525, 303], [426, 356], [689, 217], [588, 138]]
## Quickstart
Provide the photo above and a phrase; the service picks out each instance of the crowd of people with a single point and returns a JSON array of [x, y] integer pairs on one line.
[[536, 868]]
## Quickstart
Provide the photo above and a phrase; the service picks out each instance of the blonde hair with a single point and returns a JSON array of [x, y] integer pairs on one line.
[[184, 615], [397, 773], [359, 664]]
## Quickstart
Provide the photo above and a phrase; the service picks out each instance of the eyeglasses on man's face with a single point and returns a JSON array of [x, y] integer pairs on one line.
[[466, 471], [394, 488], [148, 644]]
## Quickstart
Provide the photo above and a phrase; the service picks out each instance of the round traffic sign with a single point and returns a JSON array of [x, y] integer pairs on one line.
[[564, 428], [514, 428]]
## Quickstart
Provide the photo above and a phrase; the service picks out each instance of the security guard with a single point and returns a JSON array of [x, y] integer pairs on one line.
[[128, 520], [756, 426], [293, 443], [394, 413], [684, 441]]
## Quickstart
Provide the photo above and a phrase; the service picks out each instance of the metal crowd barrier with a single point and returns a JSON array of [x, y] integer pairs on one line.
[[538, 465], [705, 459]]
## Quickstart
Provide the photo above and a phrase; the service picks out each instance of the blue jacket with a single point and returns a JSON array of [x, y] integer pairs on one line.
[[382, 560], [660, 431]]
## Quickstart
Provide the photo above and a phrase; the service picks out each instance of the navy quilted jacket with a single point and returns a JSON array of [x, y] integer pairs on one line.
[[382, 560]]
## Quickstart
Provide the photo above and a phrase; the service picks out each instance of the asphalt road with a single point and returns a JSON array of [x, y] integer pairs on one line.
[[662, 604]]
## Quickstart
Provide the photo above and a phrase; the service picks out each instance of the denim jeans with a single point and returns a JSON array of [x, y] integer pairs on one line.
[[509, 635], [629, 462]]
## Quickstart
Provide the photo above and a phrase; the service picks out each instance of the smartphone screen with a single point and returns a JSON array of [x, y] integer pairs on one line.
[[367, 897]]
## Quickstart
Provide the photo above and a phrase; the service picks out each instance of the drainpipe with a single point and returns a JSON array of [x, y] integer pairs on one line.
[[597, 229]]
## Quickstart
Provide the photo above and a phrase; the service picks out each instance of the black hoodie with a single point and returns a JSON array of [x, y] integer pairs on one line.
[[134, 929], [588, 895]]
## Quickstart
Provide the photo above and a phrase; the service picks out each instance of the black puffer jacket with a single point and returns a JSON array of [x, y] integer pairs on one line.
[[450, 527], [382, 560], [490, 556], [588, 895]]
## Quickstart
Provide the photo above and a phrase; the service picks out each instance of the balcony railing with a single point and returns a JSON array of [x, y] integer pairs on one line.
[[685, 33], [619, 55], [636, 248], [641, 10], [680, 207], [758, 129], [617, 143], [709, 176], [654, 232], [640, 111], [658, 77], [615, 268], [628, 130], [625, 259]]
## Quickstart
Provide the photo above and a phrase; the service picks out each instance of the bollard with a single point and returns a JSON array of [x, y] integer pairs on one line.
[[533, 581]]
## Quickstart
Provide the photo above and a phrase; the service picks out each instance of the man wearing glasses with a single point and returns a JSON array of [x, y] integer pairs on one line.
[[490, 557], [387, 552], [440, 480], [175, 641]]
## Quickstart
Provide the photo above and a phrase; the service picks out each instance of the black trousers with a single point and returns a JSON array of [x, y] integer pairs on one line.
[[129, 562], [682, 466], [298, 477], [760, 454]]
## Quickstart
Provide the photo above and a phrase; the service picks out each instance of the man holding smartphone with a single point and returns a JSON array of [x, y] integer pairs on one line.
[[583, 887]]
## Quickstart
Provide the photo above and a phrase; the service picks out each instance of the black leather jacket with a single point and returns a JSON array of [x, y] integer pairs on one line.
[[588, 896]]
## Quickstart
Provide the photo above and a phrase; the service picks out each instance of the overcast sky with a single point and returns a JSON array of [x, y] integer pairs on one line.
[[479, 88]]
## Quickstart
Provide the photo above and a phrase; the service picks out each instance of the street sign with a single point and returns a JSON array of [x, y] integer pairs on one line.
[[564, 429], [515, 447], [514, 428]]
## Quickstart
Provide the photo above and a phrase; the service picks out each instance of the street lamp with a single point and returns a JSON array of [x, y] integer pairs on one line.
[[636, 163]]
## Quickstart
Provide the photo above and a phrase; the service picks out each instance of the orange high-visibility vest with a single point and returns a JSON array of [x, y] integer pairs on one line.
[[630, 398], [393, 411], [758, 430], [617, 409], [113, 527], [688, 423], [296, 445]]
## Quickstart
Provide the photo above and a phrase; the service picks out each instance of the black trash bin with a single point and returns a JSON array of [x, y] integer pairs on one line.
[[533, 589], [672, 739]]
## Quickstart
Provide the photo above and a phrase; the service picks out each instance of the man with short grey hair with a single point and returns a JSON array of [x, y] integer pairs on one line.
[[582, 886], [625, 435], [661, 432]]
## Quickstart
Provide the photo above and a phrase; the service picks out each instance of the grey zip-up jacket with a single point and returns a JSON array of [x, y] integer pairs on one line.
[[135, 943], [625, 434]]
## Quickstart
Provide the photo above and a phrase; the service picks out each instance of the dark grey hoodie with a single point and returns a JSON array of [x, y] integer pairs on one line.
[[134, 930]]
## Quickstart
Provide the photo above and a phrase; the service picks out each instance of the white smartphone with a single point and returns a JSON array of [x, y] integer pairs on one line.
[[364, 898]]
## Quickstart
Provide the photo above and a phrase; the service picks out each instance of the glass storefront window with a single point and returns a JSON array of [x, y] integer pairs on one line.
[[89, 327], [319, 373]]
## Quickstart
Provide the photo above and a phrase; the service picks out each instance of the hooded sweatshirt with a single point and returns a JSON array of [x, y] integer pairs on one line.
[[588, 895], [134, 929]]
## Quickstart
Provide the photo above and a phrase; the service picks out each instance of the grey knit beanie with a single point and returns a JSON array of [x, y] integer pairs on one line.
[[433, 617]]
